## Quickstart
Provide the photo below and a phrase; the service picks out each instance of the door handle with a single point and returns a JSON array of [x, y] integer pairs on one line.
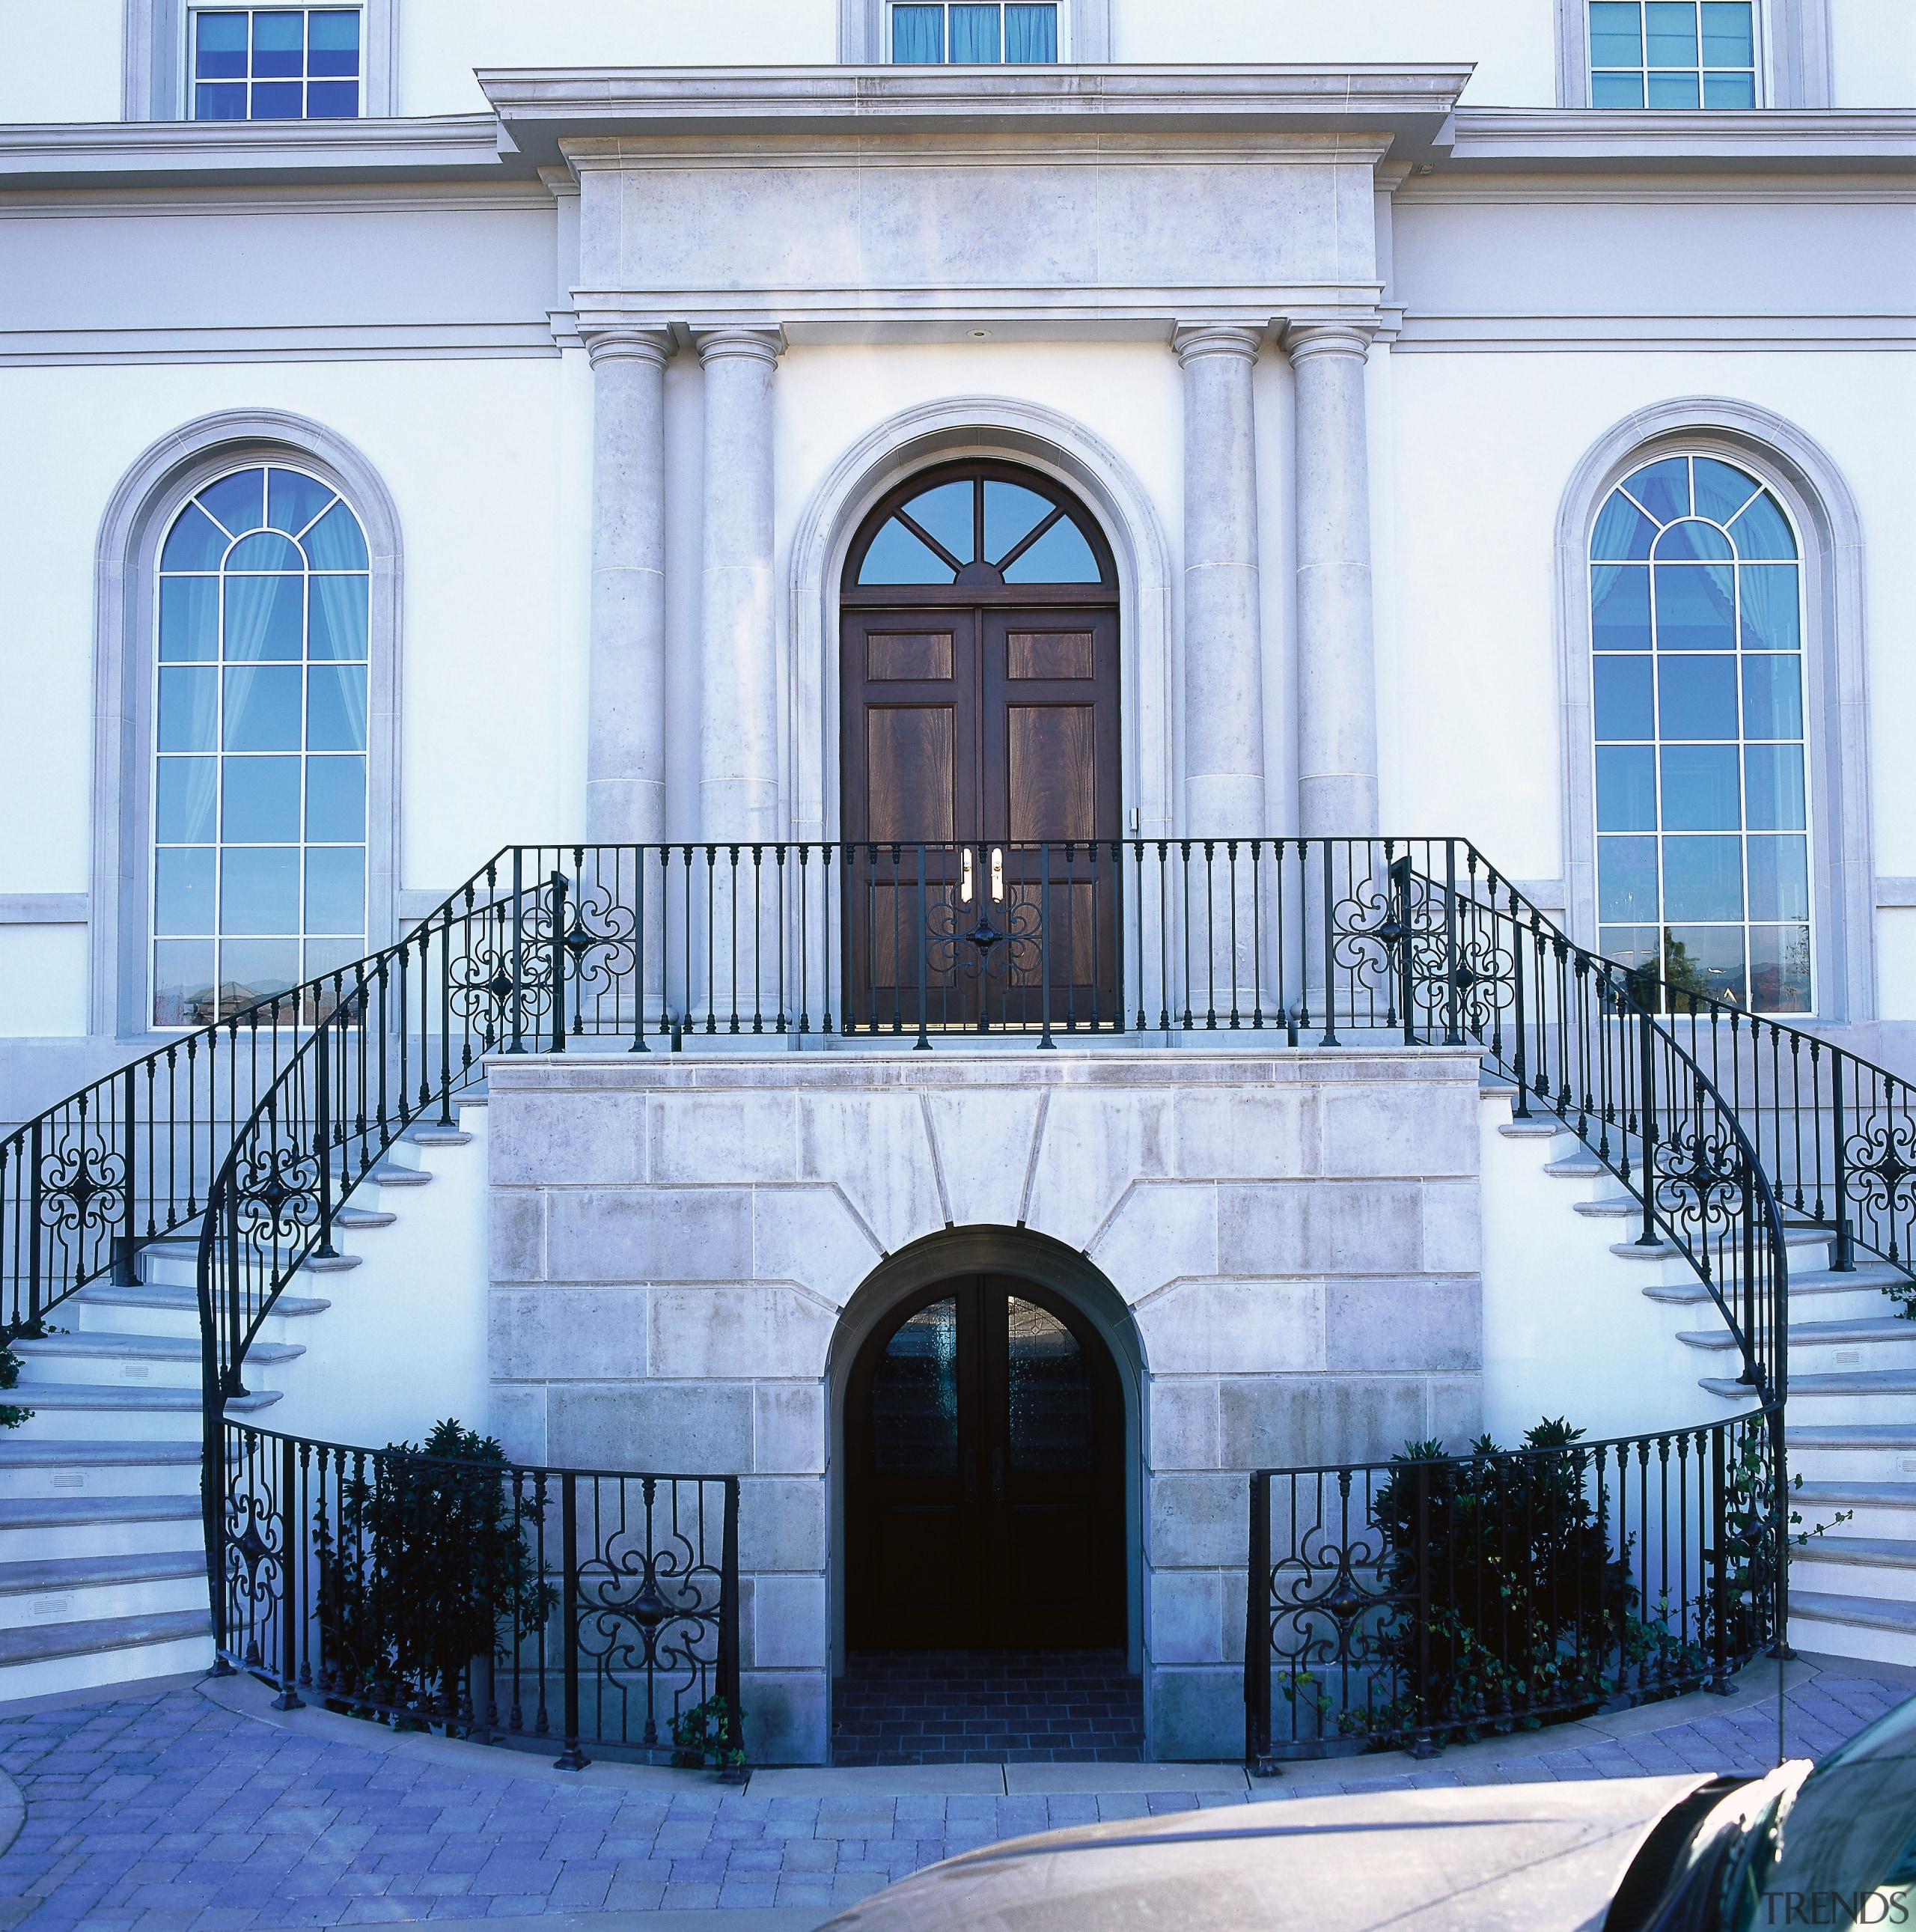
[[997, 1475]]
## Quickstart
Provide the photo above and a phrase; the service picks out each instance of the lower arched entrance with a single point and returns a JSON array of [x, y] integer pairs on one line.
[[984, 1435]]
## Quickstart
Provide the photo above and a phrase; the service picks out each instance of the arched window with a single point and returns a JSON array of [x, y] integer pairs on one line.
[[259, 877], [1702, 789], [979, 530]]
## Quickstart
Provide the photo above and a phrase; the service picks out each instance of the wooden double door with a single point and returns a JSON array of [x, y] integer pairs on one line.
[[985, 1484], [980, 740]]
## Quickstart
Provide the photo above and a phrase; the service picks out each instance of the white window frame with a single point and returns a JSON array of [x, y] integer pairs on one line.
[[1072, 17], [1793, 56], [188, 8], [1759, 59], [156, 59]]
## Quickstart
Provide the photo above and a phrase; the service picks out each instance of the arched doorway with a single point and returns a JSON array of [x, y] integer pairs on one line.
[[979, 683], [985, 1488]]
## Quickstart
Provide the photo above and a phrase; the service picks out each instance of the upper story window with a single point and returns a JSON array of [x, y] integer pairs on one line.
[[1702, 792], [276, 63], [972, 35], [260, 749], [1672, 53]]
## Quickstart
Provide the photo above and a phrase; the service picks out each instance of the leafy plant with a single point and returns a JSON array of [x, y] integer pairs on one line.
[[1508, 1595], [12, 1413], [710, 1729], [428, 1559]]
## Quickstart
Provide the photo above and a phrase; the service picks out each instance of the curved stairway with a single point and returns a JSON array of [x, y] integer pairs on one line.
[[1851, 1434], [103, 1580]]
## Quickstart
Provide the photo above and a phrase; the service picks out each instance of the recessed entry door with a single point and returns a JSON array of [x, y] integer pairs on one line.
[[984, 1483], [979, 675]]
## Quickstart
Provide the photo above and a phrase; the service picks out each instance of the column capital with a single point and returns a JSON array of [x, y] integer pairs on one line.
[[1193, 339], [1343, 336], [758, 345], [628, 342]]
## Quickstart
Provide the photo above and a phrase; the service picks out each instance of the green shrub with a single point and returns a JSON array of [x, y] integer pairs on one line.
[[425, 1561], [12, 1415]]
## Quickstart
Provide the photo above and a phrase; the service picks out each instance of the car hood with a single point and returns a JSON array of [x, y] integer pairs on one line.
[[1542, 1858]]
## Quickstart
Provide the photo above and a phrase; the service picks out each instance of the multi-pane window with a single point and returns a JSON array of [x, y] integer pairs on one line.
[[259, 744], [1672, 53], [276, 63], [1702, 794], [964, 34]]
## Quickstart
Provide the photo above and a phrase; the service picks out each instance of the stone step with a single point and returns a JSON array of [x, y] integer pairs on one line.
[[388, 1173], [50, 1466], [123, 1412], [1817, 1347], [1877, 1628], [46, 1659], [350, 1216], [438, 1137], [1855, 1395], [88, 1589], [156, 1360], [166, 1309], [1872, 1509], [1861, 1566], [1861, 1451], [50, 1527]]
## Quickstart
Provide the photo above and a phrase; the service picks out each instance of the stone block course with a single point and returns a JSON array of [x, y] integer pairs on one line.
[[654, 1233]]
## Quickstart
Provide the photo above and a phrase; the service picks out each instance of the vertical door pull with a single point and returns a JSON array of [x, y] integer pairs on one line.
[[997, 1475]]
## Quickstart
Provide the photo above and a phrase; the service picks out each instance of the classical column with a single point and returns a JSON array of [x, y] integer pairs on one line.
[[625, 739], [738, 680], [1336, 670], [1224, 722]]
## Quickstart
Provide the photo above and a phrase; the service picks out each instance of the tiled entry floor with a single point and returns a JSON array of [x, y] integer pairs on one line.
[[980, 1706]]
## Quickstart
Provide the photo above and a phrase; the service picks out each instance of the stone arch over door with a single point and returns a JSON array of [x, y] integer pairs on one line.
[[1051, 1266], [1011, 429]]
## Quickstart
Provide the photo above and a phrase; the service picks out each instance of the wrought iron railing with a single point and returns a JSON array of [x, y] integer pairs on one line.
[[1435, 1599], [487, 1599]]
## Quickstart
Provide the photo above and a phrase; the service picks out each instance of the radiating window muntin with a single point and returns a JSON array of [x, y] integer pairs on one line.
[[967, 34], [275, 63], [1702, 769], [1672, 53], [260, 707], [984, 530]]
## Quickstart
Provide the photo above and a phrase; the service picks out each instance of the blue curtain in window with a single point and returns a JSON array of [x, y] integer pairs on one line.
[[1031, 35], [975, 35], [917, 36]]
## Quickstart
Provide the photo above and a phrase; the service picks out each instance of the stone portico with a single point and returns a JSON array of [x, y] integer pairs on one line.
[[1280, 1251]]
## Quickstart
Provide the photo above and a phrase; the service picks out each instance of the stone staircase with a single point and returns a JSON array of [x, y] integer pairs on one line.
[[103, 1566], [1852, 1431]]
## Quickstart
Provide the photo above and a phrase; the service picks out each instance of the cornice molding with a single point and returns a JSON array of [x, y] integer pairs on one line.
[[1792, 141], [78, 154], [1407, 108]]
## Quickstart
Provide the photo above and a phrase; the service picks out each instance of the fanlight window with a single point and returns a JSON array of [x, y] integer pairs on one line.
[[259, 744], [979, 530], [1702, 789]]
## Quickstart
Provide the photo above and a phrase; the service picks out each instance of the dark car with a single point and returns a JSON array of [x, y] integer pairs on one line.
[[1831, 1845]]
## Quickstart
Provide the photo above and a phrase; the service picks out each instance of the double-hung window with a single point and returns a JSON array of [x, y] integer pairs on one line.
[[276, 63], [966, 34], [1672, 53]]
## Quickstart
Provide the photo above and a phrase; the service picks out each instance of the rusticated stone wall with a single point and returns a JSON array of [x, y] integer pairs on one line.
[[679, 1242]]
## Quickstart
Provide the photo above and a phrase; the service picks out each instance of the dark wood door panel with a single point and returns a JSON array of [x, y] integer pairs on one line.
[[984, 1433]]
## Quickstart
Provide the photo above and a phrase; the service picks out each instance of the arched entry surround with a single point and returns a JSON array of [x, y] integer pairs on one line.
[[1032, 1257], [1011, 429]]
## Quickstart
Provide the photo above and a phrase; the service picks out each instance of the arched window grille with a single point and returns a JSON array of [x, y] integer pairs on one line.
[[259, 877], [980, 530], [1702, 789]]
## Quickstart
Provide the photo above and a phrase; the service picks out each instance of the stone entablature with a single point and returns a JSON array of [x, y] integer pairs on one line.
[[1281, 1248]]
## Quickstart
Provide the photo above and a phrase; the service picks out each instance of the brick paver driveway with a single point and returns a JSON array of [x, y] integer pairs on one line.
[[172, 1813]]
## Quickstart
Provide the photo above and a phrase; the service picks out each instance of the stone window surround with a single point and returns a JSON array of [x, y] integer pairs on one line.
[[1836, 695], [1084, 36], [1793, 54], [153, 55], [137, 517]]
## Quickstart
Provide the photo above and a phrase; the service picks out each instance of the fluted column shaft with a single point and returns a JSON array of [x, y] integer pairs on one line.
[[626, 735], [1224, 728], [1336, 666], [738, 695]]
